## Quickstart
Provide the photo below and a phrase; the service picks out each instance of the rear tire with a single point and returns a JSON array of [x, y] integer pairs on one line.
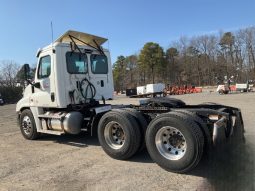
[[119, 134], [163, 149], [203, 127], [142, 125], [28, 126]]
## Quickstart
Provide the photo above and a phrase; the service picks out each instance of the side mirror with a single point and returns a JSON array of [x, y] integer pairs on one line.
[[26, 71], [37, 85]]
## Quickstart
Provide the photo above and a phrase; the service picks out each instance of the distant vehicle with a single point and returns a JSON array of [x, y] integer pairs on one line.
[[225, 87], [242, 87], [1, 100], [238, 87], [245, 87], [149, 90]]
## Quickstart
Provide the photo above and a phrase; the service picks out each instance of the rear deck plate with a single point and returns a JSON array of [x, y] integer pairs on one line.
[[103, 109]]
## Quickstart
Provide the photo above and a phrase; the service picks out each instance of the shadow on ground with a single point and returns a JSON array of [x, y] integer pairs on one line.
[[142, 157], [84, 139], [229, 168], [81, 140]]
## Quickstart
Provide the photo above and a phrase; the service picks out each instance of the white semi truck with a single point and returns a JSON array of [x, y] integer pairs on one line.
[[73, 79]]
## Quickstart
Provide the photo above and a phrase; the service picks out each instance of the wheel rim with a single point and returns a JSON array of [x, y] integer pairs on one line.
[[114, 135], [170, 143], [27, 125]]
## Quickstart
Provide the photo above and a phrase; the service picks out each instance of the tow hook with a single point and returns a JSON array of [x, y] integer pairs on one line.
[[219, 134]]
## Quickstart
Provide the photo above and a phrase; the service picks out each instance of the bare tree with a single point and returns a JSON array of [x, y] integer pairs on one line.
[[8, 71]]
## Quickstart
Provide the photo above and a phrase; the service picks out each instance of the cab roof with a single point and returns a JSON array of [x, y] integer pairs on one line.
[[87, 38]]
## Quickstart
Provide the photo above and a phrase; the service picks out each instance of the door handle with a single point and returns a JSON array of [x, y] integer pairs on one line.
[[52, 97], [102, 83]]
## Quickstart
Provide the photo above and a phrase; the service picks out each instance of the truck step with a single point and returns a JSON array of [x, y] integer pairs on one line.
[[51, 132]]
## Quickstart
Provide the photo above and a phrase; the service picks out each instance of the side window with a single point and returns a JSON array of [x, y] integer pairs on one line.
[[44, 67], [76, 63], [99, 64]]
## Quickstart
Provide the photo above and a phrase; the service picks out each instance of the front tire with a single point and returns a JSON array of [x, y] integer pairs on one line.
[[27, 125], [175, 142]]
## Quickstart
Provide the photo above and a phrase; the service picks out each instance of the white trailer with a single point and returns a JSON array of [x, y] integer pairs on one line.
[[141, 90], [155, 88], [73, 79], [242, 87]]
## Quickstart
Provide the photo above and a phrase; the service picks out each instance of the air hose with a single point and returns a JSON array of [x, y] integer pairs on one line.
[[89, 86]]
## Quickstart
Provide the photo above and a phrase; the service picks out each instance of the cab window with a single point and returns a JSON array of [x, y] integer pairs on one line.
[[44, 67], [76, 63], [99, 64]]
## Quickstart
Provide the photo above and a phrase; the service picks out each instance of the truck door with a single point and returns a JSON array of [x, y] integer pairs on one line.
[[44, 96], [100, 76]]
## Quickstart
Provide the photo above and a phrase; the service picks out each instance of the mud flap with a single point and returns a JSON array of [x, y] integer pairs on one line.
[[238, 129], [219, 134]]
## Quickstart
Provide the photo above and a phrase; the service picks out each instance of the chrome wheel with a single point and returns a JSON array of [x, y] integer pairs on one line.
[[170, 143], [114, 135], [27, 125]]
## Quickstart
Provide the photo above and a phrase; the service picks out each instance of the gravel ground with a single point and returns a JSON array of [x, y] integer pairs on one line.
[[78, 163]]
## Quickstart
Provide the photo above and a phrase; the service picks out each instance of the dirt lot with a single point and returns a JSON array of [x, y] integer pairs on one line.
[[78, 162]]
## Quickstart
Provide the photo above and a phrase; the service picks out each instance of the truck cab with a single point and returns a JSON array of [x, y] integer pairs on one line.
[[61, 69], [71, 72]]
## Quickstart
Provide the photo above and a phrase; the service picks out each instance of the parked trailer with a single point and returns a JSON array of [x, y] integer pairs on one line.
[[150, 90], [146, 95], [74, 74]]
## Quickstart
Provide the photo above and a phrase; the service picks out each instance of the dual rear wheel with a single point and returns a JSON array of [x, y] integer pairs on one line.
[[120, 133], [174, 140]]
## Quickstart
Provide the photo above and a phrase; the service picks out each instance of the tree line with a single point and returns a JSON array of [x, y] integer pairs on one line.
[[9, 76], [8, 72], [197, 60]]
